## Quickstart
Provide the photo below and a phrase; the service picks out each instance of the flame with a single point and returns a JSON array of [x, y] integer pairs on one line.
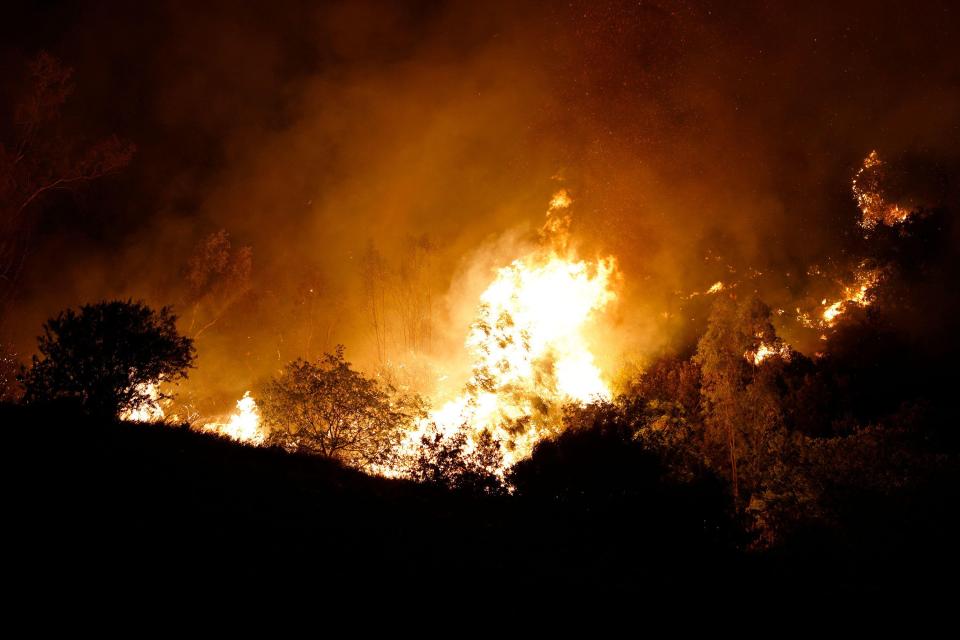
[[716, 287], [869, 194], [560, 200], [149, 410], [764, 351], [243, 424], [860, 293], [529, 346]]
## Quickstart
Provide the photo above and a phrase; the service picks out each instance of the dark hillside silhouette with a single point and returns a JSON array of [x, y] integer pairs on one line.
[[138, 509]]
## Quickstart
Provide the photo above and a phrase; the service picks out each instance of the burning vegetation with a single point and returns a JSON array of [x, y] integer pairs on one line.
[[243, 425], [742, 355], [529, 344], [869, 190]]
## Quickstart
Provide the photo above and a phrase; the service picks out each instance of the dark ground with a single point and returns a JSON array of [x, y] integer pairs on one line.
[[121, 510]]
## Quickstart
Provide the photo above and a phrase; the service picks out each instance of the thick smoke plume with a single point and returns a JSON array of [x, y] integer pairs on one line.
[[381, 159]]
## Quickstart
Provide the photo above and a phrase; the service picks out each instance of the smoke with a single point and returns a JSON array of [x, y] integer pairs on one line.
[[699, 142]]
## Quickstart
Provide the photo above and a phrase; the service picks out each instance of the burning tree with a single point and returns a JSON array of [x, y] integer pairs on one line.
[[328, 408], [109, 357]]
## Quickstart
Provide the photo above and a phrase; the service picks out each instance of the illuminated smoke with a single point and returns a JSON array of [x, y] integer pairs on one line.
[[529, 344]]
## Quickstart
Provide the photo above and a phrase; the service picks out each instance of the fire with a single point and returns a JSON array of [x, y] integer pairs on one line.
[[716, 287], [860, 293], [869, 194], [764, 351], [529, 345], [149, 410], [243, 424], [560, 200]]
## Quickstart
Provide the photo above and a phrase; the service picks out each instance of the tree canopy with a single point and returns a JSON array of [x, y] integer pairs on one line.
[[328, 408], [106, 356]]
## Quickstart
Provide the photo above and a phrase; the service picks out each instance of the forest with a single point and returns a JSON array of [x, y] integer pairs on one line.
[[636, 302]]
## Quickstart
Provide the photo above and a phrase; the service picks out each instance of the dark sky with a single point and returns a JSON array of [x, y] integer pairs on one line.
[[308, 130]]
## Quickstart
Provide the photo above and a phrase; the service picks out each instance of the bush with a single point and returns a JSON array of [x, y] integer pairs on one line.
[[328, 408], [106, 357]]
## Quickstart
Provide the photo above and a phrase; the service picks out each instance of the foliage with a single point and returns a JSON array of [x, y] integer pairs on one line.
[[330, 409], [453, 462], [105, 356]]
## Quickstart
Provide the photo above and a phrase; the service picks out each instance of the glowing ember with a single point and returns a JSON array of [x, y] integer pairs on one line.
[[243, 425], [149, 410], [869, 193], [765, 351], [530, 352], [716, 287], [860, 293]]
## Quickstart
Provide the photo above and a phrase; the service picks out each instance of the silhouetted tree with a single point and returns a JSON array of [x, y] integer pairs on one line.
[[106, 356], [330, 409], [454, 462]]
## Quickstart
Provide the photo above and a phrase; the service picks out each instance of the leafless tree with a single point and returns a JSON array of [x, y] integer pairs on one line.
[[376, 278], [218, 276], [415, 294], [38, 160]]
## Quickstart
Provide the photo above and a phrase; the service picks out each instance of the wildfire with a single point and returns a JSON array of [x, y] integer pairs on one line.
[[560, 200], [869, 193], [149, 410], [860, 293], [529, 346], [764, 351], [243, 424], [716, 287]]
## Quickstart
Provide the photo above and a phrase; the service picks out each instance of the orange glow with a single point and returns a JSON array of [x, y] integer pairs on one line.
[[764, 351], [529, 344], [869, 193], [243, 424], [860, 294], [149, 410]]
